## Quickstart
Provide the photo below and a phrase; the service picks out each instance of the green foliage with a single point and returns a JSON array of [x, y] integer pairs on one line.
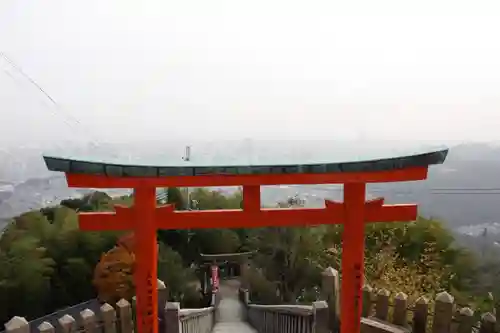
[[47, 263], [292, 260], [215, 241], [177, 277], [178, 240], [216, 200], [190, 243], [175, 197], [95, 201]]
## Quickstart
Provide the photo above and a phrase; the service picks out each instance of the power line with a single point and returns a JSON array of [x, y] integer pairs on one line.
[[467, 189], [451, 191], [15, 80], [67, 115], [467, 193], [19, 69]]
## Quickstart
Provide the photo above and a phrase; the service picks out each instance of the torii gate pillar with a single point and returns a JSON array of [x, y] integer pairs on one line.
[[147, 255], [353, 245]]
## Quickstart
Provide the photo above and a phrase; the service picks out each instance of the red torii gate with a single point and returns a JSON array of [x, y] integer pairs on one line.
[[144, 217]]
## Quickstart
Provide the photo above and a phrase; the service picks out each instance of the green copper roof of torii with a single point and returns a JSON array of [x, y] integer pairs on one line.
[[227, 160]]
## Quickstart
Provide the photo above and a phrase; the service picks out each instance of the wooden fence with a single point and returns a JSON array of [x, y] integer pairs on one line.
[[121, 319]]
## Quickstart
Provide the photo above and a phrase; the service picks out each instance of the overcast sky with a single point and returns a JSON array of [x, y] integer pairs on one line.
[[346, 69]]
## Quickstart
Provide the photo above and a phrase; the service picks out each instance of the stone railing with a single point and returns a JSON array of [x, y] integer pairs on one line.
[[286, 318], [386, 312], [111, 320], [383, 313], [108, 319], [179, 320], [289, 318]]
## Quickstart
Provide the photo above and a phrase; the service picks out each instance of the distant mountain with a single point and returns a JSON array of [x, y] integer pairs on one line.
[[21, 164], [463, 191], [26, 184]]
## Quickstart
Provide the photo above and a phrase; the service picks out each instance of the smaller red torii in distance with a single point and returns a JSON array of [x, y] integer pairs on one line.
[[145, 218]]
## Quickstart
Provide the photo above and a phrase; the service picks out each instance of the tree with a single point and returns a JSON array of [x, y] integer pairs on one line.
[[94, 201], [47, 263], [25, 277], [291, 258], [190, 243], [174, 196], [180, 281], [216, 200], [417, 258], [214, 241], [178, 240], [113, 275]]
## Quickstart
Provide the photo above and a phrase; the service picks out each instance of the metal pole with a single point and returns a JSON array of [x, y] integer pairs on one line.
[[188, 204], [187, 158]]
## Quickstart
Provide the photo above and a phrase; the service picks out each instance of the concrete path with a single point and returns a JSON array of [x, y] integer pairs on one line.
[[230, 312]]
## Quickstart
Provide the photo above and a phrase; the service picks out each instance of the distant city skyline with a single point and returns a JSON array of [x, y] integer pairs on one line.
[[345, 70]]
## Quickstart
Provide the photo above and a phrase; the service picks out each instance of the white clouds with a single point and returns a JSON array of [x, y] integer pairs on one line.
[[388, 69]]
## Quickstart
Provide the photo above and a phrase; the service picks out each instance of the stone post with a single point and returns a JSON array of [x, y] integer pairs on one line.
[[172, 320], [443, 313], [244, 274], [466, 320], [321, 320], [420, 315], [382, 305], [67, 323], [108, 315], [17, 325], [204, 281], [46, 327], [399, 315], [331, 293], [162, 296], [244, 296], [488, 321]]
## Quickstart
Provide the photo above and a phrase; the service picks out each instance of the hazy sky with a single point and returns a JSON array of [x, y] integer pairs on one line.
[[362, 69]]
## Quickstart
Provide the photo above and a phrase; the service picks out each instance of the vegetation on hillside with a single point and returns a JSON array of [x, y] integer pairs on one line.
[[48, 263], [113, 274]]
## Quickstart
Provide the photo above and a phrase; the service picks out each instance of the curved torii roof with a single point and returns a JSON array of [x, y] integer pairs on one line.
[[221, 159]]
